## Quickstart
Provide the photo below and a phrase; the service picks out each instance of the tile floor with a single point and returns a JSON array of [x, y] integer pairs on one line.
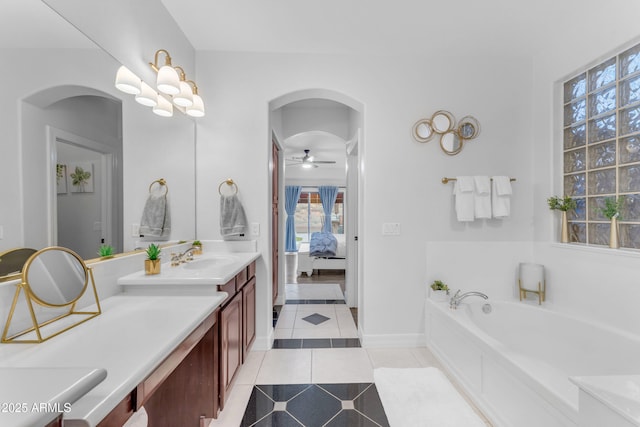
[[310, 386]]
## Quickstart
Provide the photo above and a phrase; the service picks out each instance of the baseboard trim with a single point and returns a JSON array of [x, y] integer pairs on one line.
[[263, 343]]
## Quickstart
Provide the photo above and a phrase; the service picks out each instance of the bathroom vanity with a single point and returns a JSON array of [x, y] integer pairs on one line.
[[171, 346]]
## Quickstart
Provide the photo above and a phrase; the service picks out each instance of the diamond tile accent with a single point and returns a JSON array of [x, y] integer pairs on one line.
[[315, 318]]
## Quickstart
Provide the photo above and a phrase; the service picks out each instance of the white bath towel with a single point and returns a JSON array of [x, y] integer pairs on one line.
[[501, 196], [463, 191], [482, 197], [233, 221], [156, 218], [422, 397]]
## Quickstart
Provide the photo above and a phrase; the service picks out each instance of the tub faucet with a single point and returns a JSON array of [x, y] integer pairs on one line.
[[455, 300]]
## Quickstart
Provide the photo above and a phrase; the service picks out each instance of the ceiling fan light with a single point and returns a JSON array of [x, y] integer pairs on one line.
[[307, 165], [127, 82]]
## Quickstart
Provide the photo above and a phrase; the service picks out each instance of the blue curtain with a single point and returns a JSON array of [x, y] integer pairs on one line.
[[291, 196], [328, 196]]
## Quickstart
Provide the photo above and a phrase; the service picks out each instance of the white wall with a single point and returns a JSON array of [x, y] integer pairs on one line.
[[401, 177]]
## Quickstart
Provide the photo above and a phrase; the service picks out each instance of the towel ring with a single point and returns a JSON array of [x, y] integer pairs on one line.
[[162, 183], [230, 183]]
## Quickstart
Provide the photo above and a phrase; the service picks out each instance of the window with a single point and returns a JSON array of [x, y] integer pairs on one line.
[[310, 216], [602, 148]]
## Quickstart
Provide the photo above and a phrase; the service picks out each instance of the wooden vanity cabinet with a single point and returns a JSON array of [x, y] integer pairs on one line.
[[237, 324]]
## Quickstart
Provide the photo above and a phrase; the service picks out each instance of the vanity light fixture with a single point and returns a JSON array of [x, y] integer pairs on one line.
[[185, 97], [196, 109], [147, 96], [164, 107], [168, 80], [127, 82]]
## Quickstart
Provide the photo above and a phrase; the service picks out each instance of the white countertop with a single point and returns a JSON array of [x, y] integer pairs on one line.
[[36, 396], [621, 393], [129, 339], [210, 268]]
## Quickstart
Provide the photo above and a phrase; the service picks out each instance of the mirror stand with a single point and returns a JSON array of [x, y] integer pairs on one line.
[[41, 330]]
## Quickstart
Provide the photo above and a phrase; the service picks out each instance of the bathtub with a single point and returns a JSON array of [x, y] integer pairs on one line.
[[515, 362]]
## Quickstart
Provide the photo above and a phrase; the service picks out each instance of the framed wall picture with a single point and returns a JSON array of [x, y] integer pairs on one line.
[[81, 177], [61, 178]]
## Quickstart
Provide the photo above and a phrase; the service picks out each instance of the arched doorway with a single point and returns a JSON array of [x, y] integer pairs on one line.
[[297, 118]]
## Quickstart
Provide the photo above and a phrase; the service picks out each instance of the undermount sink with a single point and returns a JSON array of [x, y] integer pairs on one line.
[[210, 262], [206, 269]]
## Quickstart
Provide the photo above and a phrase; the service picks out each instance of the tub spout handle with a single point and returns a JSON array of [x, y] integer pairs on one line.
[[455, 300]]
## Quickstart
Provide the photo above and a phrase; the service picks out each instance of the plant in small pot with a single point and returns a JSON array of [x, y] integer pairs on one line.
[[105, 251], [152, 263], [439, 291], [562, 204], [611, 210], [197, 247]]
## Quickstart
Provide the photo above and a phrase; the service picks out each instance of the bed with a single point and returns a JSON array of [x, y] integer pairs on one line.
[[308, 263]]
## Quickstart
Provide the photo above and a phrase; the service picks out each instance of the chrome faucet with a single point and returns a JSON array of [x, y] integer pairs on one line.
[[455, 299], [177, 259]]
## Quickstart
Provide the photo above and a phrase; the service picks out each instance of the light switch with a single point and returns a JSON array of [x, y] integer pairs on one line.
[[135, 230], [255, 228], [391, 229]]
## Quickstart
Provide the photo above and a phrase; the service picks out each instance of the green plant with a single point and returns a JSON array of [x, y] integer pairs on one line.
[[105, 250], [564, 204], [439, 285], [611, 207], [153, 252], [197, 243], [80, 177]]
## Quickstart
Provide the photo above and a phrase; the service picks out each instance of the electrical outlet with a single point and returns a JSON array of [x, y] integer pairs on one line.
[[255, 228], [135, 230], [391, 229]]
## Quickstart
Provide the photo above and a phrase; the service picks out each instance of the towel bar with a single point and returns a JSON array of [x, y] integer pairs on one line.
[[446, 180], [230, 183]]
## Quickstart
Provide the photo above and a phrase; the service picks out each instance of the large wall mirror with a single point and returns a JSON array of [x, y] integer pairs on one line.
[[62, 116]]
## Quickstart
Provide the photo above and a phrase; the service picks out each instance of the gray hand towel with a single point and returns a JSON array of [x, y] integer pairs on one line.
[[156, 220], [232, 218]]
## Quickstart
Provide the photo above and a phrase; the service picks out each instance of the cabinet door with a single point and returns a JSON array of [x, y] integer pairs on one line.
[[230, 344], [249, 316]]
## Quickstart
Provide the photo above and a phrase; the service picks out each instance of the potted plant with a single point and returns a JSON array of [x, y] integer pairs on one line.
[[562, 204], [197, 247], [105, 251], [439, 290], [152, 263], [611, 210]]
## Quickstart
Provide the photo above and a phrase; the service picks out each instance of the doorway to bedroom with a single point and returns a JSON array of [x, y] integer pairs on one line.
[[317, 133]]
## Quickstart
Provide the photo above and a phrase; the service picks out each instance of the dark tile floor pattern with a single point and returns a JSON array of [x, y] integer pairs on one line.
[[315, 405], [315, 318], [316, 343], [315, 301]]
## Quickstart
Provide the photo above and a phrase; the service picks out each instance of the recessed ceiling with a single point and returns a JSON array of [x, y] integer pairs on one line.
[[26, 24]]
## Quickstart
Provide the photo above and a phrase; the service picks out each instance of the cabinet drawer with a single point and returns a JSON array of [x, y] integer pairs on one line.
[[229, 288], [241, 278], [251, 270]]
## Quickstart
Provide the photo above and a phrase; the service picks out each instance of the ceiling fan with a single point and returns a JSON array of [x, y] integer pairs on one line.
[[307, 160]]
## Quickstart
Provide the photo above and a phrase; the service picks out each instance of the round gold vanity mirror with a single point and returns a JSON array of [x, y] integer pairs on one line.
[[451, 143], [55, 277], [422, 130], [468, 128], [442, 121]]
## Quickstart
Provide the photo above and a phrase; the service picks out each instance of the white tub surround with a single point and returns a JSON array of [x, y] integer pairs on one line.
[[131, 337], [609, 400], [516, 361], [37, 396]]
